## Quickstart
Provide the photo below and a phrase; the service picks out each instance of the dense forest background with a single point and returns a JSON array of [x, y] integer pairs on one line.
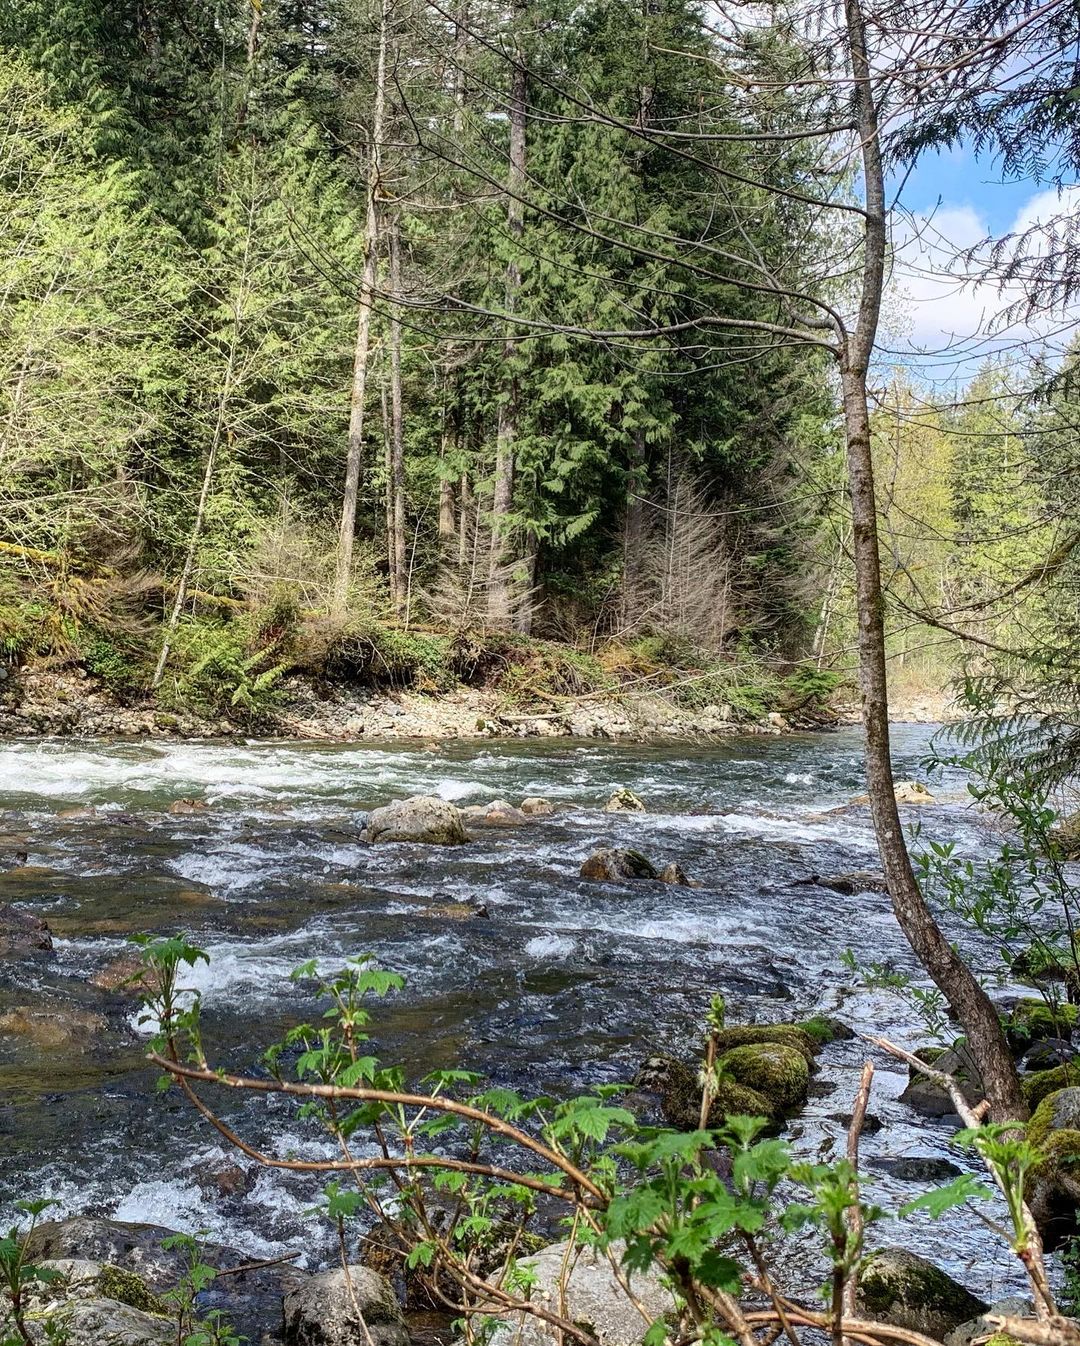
[[344, 337]]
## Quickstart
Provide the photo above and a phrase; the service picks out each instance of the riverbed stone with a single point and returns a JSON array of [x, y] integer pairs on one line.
[[678, 1087], [778, 1072], [49, 1028], [424, 818], [674, 873], [323, 1311], [624, 800], [611, 865], [1042, 1083], [22, 933], [125, 974], [931, 1099], [535, 807], [496, 814], [789, 1035], [589, 1293], [909, 1291]]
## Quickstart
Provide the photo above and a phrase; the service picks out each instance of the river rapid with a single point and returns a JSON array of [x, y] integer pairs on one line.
[[569, 983]]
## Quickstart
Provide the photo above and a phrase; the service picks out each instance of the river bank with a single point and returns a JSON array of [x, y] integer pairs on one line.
[[39, 700]]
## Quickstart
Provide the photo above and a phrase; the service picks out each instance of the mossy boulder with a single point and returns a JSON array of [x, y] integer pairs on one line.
[[1033, 1019], [678, 1087], [1040, 1085], [127, 1288], [779, 1072], [906, 1290], [1055, 1128], [789, 1035]]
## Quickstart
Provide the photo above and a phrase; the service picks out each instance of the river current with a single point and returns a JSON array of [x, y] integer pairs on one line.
[[569, 983]]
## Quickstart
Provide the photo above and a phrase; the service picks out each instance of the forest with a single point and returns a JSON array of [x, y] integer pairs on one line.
[[333, 332], [360, 358]]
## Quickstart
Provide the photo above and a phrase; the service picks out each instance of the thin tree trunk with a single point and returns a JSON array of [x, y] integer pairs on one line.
[[388, 493], [970, 1002], [500, 597], [362, 356], [630, 601], [463, 521], [396, 476]]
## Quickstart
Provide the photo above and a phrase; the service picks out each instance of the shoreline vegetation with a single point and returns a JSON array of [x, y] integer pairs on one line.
[[423, 686]]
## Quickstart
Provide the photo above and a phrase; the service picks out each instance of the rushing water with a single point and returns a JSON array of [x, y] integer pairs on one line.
[[569, 983]]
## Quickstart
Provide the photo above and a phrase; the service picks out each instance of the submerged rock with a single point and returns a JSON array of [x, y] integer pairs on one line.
[[323, 1311], [126, 974], [22, 933], [858, 881], [908, 1291], [624, 800], [916, 1167], [62, 1026], [590, 1294], [424, 818], [617, 866], [535, 807]]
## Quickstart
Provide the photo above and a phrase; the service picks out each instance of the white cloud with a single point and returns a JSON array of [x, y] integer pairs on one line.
[[941, 312]]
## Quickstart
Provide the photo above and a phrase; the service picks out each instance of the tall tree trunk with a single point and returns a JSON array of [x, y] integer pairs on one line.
[[447, 522], [952, 976], [362, 356], [396, 474], [464, 520], [630, 598], [500, 580]]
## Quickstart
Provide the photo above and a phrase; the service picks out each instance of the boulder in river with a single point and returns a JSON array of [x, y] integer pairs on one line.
[[617, 866], [624, 800], [912, 792], [535, 807], [323, 1310], [789, 1035], [674, 873], [424, 818], [908, 1291], [1065, 837], [678, 1088], [53, 1027], [1042, 1083], [858, 881], [1033, 1019], [916, 1167], [22, 933], [932, 1099], [778, 1072], [588, 1293], [496, 814], [180, 808]]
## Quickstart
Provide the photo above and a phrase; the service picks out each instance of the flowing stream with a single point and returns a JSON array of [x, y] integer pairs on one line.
[[569, 983]]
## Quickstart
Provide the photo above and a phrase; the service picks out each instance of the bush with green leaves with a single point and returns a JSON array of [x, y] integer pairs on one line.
[[463, 1178]]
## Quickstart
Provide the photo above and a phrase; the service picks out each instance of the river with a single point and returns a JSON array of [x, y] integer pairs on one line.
[[568, 983]]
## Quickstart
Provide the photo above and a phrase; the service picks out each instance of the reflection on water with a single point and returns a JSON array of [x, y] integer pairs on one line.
[[567, 984]]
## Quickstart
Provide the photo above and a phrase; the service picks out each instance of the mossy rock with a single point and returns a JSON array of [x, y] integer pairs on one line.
[[127, 1288], [679, 1090], [822, 1030], [906, 1290], [1055, 1129], [789, 1035], [774, 1069], [1033, 1019], [1040, 1085]]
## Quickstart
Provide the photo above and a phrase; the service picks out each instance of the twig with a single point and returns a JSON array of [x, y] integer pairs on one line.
[[855, 1219], [258, 1266]]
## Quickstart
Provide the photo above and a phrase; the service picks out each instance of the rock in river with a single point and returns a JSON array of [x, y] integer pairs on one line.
[[770, 1068], [496, 814], [908, 1291], [424, 818], [593, 1296], [535, 807], [623, 800], [323, 1311], [616, 866], [22, 933]]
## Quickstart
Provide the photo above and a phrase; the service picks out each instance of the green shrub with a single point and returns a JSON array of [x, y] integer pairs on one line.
[[224, 670]]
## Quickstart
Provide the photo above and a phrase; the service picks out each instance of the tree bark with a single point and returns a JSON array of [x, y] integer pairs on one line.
[[630, 598], [396, 474], [362, 356], [953, 977], [500, 580]]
